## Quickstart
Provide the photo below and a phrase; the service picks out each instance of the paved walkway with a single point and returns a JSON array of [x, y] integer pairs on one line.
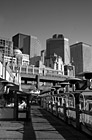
[[43, 126]]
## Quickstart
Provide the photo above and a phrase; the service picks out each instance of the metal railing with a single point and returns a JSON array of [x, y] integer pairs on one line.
[[67, 107]]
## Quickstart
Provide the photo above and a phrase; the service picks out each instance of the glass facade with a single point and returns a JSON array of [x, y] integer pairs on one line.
[[27, 44]]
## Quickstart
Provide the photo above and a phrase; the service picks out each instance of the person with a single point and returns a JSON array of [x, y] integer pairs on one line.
[[22, 105]]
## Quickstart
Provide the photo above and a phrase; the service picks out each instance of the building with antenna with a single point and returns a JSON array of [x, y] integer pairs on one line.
[[81, 55], [57, 55]]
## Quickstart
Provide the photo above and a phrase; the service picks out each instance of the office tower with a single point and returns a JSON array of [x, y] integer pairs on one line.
[[22, 42], [81, 57], [27, 44], [60, 46], [6, 47]]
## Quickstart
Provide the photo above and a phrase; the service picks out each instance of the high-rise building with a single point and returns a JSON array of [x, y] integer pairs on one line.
[[22, 42], [60, 46], [27, 44], [81, 57], [35, 47], [6, 47]]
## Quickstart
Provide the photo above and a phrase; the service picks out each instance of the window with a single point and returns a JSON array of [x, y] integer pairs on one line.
[[56, 66], [61, 67]]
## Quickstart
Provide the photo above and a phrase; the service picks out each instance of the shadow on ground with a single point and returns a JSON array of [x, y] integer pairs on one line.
[[29, 133]]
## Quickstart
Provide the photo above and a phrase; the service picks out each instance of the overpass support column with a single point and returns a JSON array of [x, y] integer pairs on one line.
[[37, 81]]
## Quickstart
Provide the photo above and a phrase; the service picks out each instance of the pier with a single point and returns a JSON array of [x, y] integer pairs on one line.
[[42, 126]]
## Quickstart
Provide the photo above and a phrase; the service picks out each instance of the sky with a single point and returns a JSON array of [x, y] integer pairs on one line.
[[43, 18]]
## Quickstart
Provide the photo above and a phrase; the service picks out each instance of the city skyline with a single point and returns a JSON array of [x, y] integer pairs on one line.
[[43, 18]]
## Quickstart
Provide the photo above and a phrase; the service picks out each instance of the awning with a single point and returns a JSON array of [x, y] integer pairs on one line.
[[73, 80], [86, 74], [10, 85]]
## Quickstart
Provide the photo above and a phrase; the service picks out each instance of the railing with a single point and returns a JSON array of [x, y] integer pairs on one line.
[[35, 70], [70, 108]]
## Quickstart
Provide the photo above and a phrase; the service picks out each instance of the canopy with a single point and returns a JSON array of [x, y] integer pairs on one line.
[[86, 74], [73, 80]]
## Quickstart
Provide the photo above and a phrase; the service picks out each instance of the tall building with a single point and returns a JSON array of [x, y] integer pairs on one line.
[[60, 46], [22, 42], [35, 47], [81, 57], [6, 47], [27, 44]]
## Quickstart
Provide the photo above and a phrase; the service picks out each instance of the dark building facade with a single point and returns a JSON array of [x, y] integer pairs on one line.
[[60, 46], [81, 57], [27, 44], [21, 42]]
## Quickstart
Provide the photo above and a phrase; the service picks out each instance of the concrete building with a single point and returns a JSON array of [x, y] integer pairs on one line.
[[35, 61], [18, 58], [38, 60], [21, 59], [10, 59], [43, 54], [27, 44], [6, 47], [81, 57], [60, 46], [69, 70], [55, 62]]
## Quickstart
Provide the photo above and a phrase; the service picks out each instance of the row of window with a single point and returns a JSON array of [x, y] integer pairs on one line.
[[57, 66], [5, 42]]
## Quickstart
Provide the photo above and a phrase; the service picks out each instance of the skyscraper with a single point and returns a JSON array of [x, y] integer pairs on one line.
[[81, 56], [27, 44], [60, 46]]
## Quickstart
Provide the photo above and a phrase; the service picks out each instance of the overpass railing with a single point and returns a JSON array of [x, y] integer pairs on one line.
[[36, 70]]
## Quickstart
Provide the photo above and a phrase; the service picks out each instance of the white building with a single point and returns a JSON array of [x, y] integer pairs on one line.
[[18, 58], [55, 62]]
